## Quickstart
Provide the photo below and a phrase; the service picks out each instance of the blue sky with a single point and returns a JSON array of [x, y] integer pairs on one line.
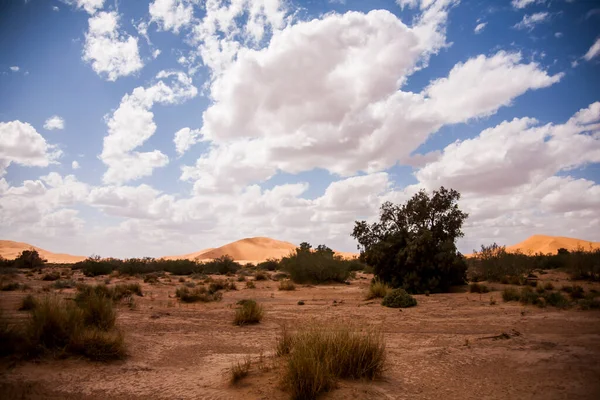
[[154, 128]]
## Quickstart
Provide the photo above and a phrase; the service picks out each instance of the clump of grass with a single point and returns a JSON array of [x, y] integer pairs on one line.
[[241, 278], [126, 290], [151, 278], [284, 342], [250, 312], [548, 286], [98, 311], [319, 356], [217, 285], [287, 285], [28, 303], [589, 304], [64, 284], [9, 287], [181, 280], [261, 276], [510, 294], [240, 370], [198, 294], [100, 345], [300, 302], [51, 276], [556, 299], [398, 298], [378, 289], [478, 288], [250, 285]]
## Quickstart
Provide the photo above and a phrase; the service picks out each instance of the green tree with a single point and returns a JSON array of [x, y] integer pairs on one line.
[[29, 259], [413, 245]]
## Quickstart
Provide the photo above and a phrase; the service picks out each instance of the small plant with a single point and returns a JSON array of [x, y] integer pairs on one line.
[[300, 302], [191, 285], [548, 286], [492, 301], [100, 345], [398, 298], [98, 311], [181, 280], [28, 303], [577, 292], [378, 289], [197, 294], [510, 294], [287, 285], [9, 287], [250, 285], [241, 278], [151, 279], [284, 343], [249, 313], [261, 276], [217, 285], [556, 299], [589, 304], [52, 276], [478, 288], [64, 284], [240, 370]]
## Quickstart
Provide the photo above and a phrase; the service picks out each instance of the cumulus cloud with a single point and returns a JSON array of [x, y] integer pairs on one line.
[[594, 51], [530, 21], [186, 138], [172, 15], [22, 144], [54, 122], [15, 68], [75, 165], [133, 123], [480, 27], [111, 53], [90, 6]]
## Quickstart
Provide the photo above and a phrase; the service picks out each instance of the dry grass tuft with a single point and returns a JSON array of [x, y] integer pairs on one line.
[[240, 370], [378, 289], [320, 356], [287, 285], [250, 312]]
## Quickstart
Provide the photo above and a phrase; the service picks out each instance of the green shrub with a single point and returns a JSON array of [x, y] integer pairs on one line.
[[377, 289], [64, 284], [268, 265], [319, 266], [589, 304], [261, 276], [198, 294], [577, 292], [249, 313], [221, 265], [98, 311], [478, 288], [510, 294], [52, 276], [54, 324], [250, 285], [398, 298], [287, 285], [529, 296], [28, 303], [556, 299], [29, 259], [318, 357]]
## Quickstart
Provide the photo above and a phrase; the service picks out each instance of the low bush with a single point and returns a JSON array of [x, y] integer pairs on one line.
[[556, 299], [377, 289], [478, 288], [9, 287], [28, 303], [589, 304], [268, 265], [398, 298], [222, 265], [510, 294], [250, 312], [528, 296], [261, 276], [64, 284], [51, 276], [548, 286], [250, 285], [315, 266], [287, 285], [100, 345], [198, 294], [319, 356], [240, 370]]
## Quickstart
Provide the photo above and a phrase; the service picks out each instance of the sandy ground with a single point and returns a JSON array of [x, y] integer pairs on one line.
[[440, 349]]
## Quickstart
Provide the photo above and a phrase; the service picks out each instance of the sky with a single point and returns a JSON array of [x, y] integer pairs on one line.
[[133, 128]]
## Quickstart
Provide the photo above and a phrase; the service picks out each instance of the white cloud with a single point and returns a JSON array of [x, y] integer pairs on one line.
[[186, 138], [480, 27], [558, 35], [594, 51], [156, 53], [172, 14], [111, 52], [90, 6], [75, 165], [54, 122], [22, 144], [530, 21], [14, 68], [519, 4], [133, 123], [55, 8]]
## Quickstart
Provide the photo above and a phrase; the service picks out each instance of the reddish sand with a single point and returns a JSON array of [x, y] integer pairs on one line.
[[447, 347], [550, 244], [11, 250]]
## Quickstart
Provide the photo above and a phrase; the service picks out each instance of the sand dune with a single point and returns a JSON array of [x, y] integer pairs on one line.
[[251, 250], [551, 244], [11, 250]]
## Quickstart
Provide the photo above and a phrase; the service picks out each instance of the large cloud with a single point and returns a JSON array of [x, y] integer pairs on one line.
[[111, 52], [133, 123]]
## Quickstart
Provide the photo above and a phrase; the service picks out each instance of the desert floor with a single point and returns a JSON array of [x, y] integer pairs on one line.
[[443, 348]]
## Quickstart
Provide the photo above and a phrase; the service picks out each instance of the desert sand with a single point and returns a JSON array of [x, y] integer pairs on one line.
[[446, 347], [11, 250], [550, 244]]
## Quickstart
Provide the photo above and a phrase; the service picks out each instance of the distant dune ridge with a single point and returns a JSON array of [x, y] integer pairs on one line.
[[11, 250], [259, 249], [550, 244]]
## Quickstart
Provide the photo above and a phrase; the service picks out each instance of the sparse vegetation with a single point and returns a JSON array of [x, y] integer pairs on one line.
[[413, 246], [317, 357], [250, 285], [28, 303], [250, 312], [240, 370], [398, 298], [64, 284], [478, 288], [51, 276], [287, 285], [198, 294], [9, 287], [510, 294], [261, 276], [377, 289], [529, 296], [306, 265], [269, 265]]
